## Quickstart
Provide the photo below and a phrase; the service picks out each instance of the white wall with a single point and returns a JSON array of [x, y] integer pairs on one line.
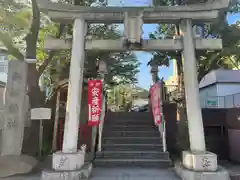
[[224, 89], [1, 114], [231, 93], [3, 77], [225, 94], [3, 67], [208, 93]]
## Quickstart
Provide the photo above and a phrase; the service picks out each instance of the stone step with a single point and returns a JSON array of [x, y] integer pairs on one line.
[[133, 147], [129, 122], [132, 163], [132, 155], [104, 173], [130, 128], [128, 115], [131, 140], [129, 119], [154, 133], [131, 125]]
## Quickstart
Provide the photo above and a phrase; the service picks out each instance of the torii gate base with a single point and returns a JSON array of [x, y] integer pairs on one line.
[[197, 163]]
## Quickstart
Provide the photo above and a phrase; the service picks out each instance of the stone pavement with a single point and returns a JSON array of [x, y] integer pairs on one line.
[[115, 174], [33, 176], [133, 174], [233, 168]]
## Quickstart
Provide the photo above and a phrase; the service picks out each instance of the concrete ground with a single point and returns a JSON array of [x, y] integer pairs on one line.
[[133, 174], [106, 173], [33, 176], [130, 173], [233, 168], [114, 174]]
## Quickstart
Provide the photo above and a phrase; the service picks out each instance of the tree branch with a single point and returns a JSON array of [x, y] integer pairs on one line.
[[47, 61], [32, 36], [12, 50]]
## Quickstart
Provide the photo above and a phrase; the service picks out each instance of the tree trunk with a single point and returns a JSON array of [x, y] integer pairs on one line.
[[36, 97], [31, 53]]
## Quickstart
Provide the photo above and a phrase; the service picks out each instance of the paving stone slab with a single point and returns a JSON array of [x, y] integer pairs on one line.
[[133, 174], [81, 174]]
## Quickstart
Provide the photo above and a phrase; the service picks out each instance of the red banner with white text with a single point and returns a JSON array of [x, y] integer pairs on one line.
[[155, 95], [94, 101]]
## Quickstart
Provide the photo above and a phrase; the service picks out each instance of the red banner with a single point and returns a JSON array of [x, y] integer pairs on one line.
[[94, 102], [155, 94]]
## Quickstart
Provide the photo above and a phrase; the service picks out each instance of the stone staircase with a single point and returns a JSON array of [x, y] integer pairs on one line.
[[131, 139]]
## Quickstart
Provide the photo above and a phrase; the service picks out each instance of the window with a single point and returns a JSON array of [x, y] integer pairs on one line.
[[2, 69], [3, 66], [3, 57]]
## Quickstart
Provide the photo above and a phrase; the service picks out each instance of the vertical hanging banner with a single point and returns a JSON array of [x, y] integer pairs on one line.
[[94, 102], [155, 95]]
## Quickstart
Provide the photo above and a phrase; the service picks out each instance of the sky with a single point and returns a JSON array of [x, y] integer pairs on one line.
[[144, 76]]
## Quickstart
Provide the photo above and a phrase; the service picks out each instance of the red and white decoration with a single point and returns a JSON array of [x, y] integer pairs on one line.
[[94, 102], [155, 94]]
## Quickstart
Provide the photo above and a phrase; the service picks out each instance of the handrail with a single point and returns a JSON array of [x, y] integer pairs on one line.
[[162, 130], [164, 136], [100, 127]]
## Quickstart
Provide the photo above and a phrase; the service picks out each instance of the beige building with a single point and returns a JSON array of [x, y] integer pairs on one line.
[[172, 82]]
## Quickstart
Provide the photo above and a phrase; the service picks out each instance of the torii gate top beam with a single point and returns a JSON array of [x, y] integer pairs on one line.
[[165, 14]]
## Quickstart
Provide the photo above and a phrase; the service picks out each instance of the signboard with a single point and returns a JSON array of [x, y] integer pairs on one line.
[[40, 113], [94, 101], [155, 93], [211, 103]]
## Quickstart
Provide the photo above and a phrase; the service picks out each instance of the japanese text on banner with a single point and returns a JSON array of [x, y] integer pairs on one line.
[[155, 92], [94, 101]]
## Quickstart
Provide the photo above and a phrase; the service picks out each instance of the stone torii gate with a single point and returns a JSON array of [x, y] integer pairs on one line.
[[197, 161]]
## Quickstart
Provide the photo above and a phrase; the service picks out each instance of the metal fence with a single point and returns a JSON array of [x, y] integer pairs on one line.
[[229, 101]]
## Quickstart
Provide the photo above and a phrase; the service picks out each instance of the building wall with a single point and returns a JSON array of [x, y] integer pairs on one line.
[[1, 111], [208, 93], [231, 94], [172, 82], [225, 89], [224, 94], [3, 66]]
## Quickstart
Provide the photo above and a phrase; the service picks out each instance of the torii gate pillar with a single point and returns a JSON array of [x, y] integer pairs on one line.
[[69, 163], [197, 163]]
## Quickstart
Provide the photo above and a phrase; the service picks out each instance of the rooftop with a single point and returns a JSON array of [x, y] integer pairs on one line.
[[220, 76]]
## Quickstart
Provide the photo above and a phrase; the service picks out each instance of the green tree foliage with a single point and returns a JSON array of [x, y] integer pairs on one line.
[[52, 66], [207, 60], [123, 95], [15, 18]]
